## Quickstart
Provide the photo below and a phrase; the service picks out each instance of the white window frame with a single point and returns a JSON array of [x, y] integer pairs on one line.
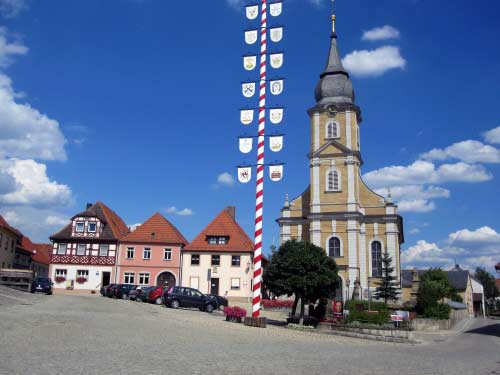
[[129, 277], [80, 246], [130, 250], [59, 247], [95, 227], [327, 245], [334, 133], [144, 278], [82, 223], [101, 252], [82, 273], [199, 259], [61, 272], [167, 254], [146, 250], [232, 257], [332, 172], [235, 283]]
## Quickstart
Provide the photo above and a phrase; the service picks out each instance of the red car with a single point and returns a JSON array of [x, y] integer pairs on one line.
[[155, 295]]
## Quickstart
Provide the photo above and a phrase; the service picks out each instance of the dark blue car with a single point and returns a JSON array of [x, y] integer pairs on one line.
[[42, 285]]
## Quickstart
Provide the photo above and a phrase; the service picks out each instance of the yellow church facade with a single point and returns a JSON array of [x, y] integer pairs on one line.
[[337, 211]]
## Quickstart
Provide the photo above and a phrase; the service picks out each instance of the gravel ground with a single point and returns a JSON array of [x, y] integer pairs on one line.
[[94, 335]]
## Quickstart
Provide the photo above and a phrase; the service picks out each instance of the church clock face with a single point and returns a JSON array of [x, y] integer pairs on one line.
[[332, 112]]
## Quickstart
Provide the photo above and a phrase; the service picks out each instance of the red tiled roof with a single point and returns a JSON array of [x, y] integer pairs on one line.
[[223, 225], [41, 252], [4, 224], [118, 226], [164, 232]]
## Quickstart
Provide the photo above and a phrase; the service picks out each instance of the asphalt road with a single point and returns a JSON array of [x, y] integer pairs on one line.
[[95, 335]]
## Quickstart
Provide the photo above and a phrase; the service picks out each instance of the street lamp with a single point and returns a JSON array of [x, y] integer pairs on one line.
[[369, 295], [347, 283]]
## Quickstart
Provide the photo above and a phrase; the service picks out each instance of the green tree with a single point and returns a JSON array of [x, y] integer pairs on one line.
[[388, 286], [491, 291], [303, 270], [434, 287]]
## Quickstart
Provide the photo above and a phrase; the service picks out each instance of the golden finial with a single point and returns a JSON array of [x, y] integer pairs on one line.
[[333, 18]]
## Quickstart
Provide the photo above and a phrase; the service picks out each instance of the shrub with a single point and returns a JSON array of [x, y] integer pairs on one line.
[[440, 311], [235, 311], [379, 314], [277, 303]]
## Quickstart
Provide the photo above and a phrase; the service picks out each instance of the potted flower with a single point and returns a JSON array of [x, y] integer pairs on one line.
[[60, 279], [81, 280], [234, 313]]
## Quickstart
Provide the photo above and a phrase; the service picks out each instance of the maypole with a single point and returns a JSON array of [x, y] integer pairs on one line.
[[247, 116]]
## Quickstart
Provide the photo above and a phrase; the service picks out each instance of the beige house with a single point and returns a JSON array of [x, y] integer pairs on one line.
[[337, 211], [219, 259], [9, 237]]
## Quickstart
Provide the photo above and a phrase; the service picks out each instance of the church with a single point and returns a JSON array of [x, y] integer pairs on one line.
[[337, 211]]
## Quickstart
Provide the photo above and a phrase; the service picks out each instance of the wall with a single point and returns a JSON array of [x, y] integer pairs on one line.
[[93, 281], [7, 248], [432, 325], [225, 272]]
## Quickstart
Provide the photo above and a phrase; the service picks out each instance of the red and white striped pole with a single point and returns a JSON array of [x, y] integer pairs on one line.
[[259, 195]]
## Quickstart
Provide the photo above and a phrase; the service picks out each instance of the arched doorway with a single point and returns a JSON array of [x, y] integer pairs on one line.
[[165, 278]]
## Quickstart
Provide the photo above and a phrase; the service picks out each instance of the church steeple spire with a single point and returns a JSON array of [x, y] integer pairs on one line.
[[334, 86]]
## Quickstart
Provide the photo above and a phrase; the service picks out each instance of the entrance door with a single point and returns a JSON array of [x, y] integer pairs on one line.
[[165, 279], [106, 276], [214, 286]]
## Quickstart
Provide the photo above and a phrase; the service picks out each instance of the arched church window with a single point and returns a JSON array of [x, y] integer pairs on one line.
[[376, 259], [334, 247], [332, 130], [333, 180]]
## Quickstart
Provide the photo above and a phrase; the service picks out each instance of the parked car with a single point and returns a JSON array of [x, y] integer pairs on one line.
[[221, 301], [179, 296], [42, 285], [155, 295], [132, 293], [105, 289], [122, 290], [111, 290], [141, 295]]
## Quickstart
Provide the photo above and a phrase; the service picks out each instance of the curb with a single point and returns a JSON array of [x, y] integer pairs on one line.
[[397, 340]]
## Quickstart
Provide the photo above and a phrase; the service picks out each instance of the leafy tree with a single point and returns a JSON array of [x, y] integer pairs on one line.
[[304, 270], [491, 291], [434, 287], [388, 286]]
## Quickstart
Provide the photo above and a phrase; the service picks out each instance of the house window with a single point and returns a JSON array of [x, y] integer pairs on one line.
[[80, 250], [235, 260], [215, 260], [129, 278], [333, 180], [61, 249], [212, 240], [144, 278], [92, 227], [376, 259], [334, 247], [235, 284], [82, 273], [146, 254], [332, 130], [167, 254], [195, 259], [61, 273], [79, 226], [217, 240], [103, 250], [130, 252]]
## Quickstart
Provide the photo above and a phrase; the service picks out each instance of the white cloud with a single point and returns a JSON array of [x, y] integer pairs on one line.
[[24, 131], [381, 33], [493, 135], [415, 198], [33, 187], [414, 231], [374, 63], [9, 49], [481, 236], [134, 226], [225, 179], [236, 4], [54, 220], [424, 252], [183, 212], [416, 205], [468, 151], [424, 172], [11, 8]]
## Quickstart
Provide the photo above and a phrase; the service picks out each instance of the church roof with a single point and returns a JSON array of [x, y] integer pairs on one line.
[[157, 229], [114, 227], [334, 86], [224, 225]]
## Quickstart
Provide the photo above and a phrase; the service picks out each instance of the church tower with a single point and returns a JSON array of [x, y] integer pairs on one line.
[[337, 211]]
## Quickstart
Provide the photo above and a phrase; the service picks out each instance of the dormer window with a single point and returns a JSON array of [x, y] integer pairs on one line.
[[217, 240], [79, 227], [92, 227]]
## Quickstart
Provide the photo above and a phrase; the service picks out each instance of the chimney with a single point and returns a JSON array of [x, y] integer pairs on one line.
[[231, 210], [88, 206]]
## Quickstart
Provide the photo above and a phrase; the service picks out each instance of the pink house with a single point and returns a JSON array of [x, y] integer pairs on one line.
[[151, 255]]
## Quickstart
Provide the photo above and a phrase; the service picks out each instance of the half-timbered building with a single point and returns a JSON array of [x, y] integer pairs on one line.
[[84, 252]]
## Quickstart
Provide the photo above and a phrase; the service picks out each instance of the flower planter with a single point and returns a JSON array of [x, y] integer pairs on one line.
[[81, 280], [60, 279], [234, 313], [255, 322]]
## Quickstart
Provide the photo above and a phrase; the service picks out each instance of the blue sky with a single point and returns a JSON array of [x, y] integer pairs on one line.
[[135, 103]]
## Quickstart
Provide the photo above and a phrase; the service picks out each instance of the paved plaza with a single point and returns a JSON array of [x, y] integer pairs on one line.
[[94, 335]]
